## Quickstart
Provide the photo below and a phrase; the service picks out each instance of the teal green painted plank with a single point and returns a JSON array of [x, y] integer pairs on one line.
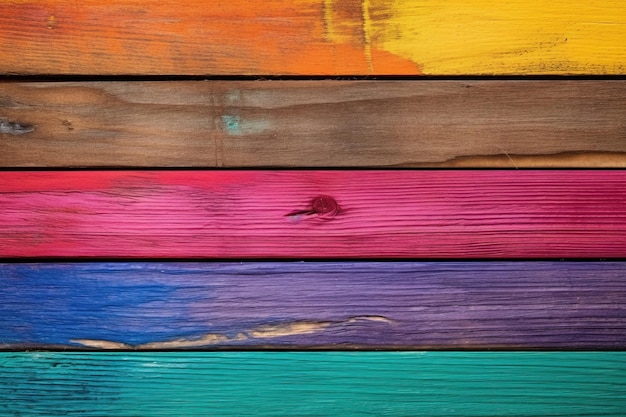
[[313, 383]]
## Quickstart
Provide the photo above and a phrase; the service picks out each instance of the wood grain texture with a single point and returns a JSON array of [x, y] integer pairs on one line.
[[315, 124], [313, 37], [409, 305], [314, 384], [247, 214]]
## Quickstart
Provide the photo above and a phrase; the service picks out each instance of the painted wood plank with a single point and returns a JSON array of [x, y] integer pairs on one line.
[[314, 124], [287, 305], [313, 37], [314, 384], [248, 214]]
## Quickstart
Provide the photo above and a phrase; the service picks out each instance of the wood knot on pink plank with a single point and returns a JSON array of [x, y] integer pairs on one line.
[[323, 206]]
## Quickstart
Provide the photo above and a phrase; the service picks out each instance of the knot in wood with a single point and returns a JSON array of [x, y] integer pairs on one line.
[[325, 205], [14, 128]]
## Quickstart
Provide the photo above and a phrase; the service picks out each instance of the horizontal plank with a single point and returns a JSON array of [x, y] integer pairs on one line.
[[248, 214], [409, 305], [314, 384], [313, 37], [314, 124]]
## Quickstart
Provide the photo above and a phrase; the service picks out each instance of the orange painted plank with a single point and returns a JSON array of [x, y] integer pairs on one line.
[[452, 37], [196, 37]]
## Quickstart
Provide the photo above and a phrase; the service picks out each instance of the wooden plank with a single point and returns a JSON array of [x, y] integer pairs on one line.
[[314, 383], [314, 123], [248, 214], [408, 305], [303, 37]]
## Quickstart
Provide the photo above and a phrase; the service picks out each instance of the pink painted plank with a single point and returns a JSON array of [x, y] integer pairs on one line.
[[247, 214]]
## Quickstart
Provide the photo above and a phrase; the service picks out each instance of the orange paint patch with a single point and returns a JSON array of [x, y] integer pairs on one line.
[[345, 59], [225, 37]]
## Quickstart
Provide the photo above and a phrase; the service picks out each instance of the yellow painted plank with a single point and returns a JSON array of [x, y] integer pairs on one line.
[[458, 37], [309, 37]]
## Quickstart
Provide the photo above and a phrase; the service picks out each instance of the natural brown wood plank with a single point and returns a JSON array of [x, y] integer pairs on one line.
[[571, 123]]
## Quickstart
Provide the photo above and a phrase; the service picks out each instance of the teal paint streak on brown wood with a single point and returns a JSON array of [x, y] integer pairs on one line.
[[314, 384]]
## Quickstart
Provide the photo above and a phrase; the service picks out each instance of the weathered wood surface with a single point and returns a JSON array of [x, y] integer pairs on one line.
[[314, 123], [314, 384], [313, 37], [289, 305], [306, 213]]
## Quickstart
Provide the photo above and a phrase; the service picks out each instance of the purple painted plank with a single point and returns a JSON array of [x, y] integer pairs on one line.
[[422, 305]]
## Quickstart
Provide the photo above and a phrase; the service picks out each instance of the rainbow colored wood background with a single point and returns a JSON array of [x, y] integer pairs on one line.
[[194, 221]]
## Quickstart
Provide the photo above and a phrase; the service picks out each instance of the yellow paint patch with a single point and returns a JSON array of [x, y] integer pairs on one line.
[[459, 37], [205, 340], [380, 319], [288, 329], [101, 344], [367, 37], [260, 332], [349, 22]]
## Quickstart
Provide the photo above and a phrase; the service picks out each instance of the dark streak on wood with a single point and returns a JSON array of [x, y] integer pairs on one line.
[[8, 127]]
